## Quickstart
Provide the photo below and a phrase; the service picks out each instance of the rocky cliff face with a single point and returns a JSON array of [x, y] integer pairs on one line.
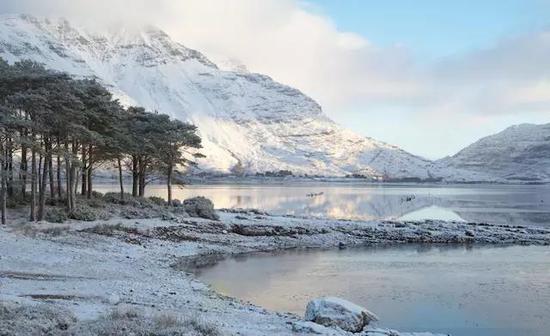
[[249, 122]]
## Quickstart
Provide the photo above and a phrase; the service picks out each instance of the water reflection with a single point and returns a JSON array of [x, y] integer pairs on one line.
[[453, 289], [432, 212], [481, 203]]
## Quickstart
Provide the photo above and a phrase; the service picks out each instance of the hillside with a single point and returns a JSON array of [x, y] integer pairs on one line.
[[520, 153], [249, 122]]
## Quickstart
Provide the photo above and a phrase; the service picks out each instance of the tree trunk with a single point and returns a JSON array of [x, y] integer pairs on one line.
[[169, 185], [73, 180], [3, 197], [120, 179], [84, 176], [135, 175], [142, 170], [33, 184], [89, 172], [3, 187], [76, 174], [9, 167], [23, 171], [58, 168], [39, 172], [42, 194], [51, 179], [58, 178], [68, 178], [141, 184]]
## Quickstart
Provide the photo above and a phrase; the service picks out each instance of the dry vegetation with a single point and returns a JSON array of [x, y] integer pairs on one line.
[[40, 319]]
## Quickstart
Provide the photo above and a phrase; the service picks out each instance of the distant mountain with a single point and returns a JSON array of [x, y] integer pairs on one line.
[[249, 123], [518, 154]]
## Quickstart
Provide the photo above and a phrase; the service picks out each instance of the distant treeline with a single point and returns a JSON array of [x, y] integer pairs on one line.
[[56, 129]]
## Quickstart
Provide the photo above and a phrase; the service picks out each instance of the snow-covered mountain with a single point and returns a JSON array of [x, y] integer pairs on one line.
[[520, 153], [248, 122]]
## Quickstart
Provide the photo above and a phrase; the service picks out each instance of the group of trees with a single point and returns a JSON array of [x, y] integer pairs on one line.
[[55, 130]]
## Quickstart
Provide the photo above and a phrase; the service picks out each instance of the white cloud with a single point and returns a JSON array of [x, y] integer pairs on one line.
[[380, 92]]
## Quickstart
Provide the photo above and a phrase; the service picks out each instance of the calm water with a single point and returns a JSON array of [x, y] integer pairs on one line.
[[486, 203], [482, 291]]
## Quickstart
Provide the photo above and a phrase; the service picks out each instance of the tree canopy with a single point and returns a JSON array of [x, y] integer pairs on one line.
[[56, 129]]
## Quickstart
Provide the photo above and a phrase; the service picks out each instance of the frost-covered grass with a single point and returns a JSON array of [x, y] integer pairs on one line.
[[84, 270], [44, 319]]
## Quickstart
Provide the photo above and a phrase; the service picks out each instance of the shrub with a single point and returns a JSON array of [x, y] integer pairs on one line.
[[133, 213], [84, 213], [176, 203], [157, 200], [200, 207], [114, 197], [56, 215], [110, 229], [55, 231], [166, 320], [96, 203], [38, 319], [96, 194]]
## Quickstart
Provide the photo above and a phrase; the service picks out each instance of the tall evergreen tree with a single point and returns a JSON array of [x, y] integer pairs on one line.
[[61, 128]]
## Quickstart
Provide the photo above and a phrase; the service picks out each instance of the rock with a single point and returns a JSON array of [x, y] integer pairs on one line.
[[336, 312], [469, 233], [200, 207], [269, 230], [113, 299], [309, 328]]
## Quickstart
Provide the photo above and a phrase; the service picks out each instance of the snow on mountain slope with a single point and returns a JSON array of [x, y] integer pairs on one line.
[[249, 123], [520, 153]]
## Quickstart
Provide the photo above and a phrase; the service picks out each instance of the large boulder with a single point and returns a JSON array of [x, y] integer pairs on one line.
[[336, 312], [200, 207]]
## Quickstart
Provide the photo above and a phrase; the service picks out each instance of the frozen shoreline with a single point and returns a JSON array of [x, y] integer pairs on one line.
[[90, 268]]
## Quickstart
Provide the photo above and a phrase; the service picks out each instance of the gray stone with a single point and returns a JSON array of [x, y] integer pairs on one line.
[[336, 312], [200, 207]]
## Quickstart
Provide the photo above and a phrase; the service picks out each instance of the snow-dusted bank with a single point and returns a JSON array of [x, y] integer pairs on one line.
[[126, 276]]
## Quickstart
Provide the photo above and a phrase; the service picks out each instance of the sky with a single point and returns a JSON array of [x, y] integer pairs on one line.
[[429, 76], [435, 28]]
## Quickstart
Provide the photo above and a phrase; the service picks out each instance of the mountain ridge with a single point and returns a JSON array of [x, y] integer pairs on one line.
[[519, 153], [249, 122]]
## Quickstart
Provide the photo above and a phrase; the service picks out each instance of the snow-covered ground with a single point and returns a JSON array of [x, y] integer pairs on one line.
[[91, 268]]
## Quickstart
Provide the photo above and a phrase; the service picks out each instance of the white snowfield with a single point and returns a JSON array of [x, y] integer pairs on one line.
[[248, 122]]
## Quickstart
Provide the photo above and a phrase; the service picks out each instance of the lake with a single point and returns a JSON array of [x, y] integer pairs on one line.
[[462, 291], [501, 204]]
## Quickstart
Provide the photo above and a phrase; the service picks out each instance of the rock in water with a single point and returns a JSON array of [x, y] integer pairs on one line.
[[333, 311]]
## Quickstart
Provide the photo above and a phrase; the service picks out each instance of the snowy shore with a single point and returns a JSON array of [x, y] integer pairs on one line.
[[94, 273]]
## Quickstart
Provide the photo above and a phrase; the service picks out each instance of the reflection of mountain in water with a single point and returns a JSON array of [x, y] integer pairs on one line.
[[507, 217], [354, 206], [509, 209], [513, 205], [432, 212]]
